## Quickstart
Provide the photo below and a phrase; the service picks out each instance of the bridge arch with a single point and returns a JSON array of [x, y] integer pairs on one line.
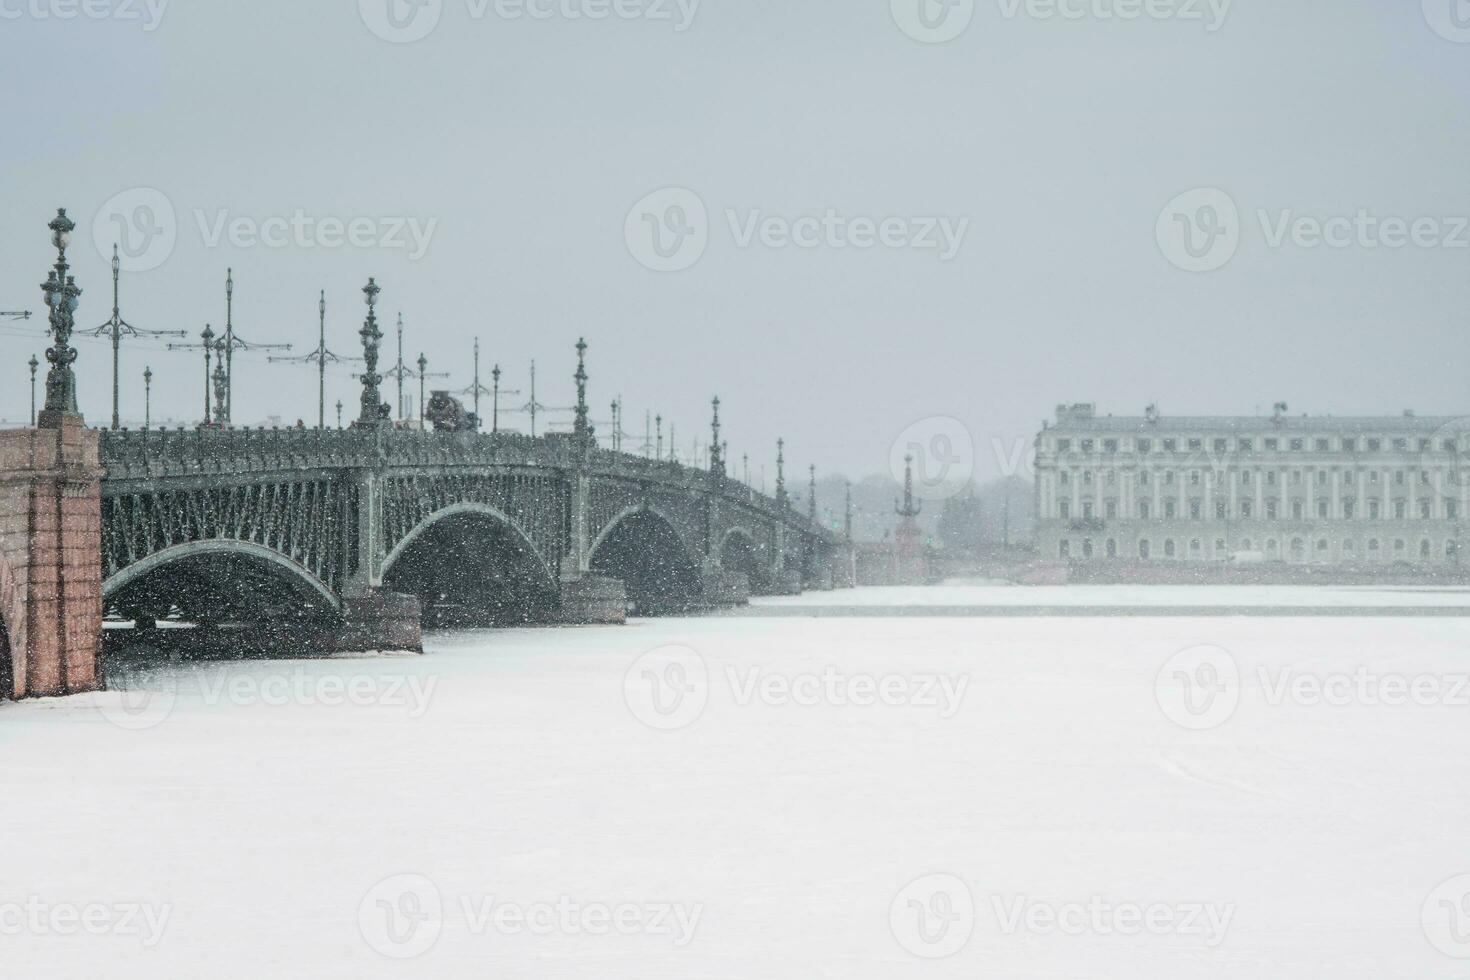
[[278, 563], [642, 546], [470, 564], [739, 552]]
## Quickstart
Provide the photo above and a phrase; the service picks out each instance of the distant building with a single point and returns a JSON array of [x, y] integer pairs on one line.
[[1246, 489]]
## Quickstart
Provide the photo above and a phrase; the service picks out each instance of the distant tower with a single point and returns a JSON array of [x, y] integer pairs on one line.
[[909, 563], [716, 448], [781, 498]]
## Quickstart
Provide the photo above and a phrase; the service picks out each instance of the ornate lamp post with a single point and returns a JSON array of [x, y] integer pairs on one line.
[[495, 400], [658, 454], [371, 414], [580, 426], [423, 375], [208, 337], [147, 398], [62, 298], [33, 365], [221, 386], [716, 448], [339, 413], [781, 472], [811, 500]]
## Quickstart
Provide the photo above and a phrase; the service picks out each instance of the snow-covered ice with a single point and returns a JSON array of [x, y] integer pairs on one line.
[[1083, 797]]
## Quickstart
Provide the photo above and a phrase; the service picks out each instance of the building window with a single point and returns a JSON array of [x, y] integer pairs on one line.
[[1373, 477], [1144, 445], [1195, 445], [1170, 445], [1374, 445], [1087, 510], [1296, 510], [1296, 478], [1222, 446], [1110, 445], [1298, 549], [1270, 478], [1424, 445], [1321, 478], [1401, 444], [1168, 478], [1348, 506], [1245, 478], [1350, 445], [1323, 446], [1373, 544], [1398, 509], [1194, 478], [1322, 545], [1452, 509], [1398, 545], [1272, 445], [1449, 445], [1220, 546], [1112, 548], [1424, 549], [1245, 445], [1065, 477], [1169, 509], [1398, 477], [1087, 445], [1086, 547], [1168, 547], [1143, 478], [1112, 509], [1112, 478], [1064, 445], [1064, 508], [1087, 478], [1424, 478], [1271, 508], [1143, 510], [1373, 508], [1194, 547], [1064, 550], [1144, 549], [1424, 509], [1297, 445], [1245, 509], [1219, 510], [1321, 508], [1271, 547], [1194, 510]]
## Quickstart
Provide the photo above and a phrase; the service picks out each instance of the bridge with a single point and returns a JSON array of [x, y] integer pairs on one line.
[[293, 541]]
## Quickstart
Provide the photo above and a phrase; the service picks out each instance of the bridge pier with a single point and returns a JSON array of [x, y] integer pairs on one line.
[[724, 589], [50, 558], [380, 620], [588, 599]]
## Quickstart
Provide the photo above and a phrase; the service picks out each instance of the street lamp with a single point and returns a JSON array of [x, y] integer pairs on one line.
[[147, 398], [372, 338], [62, 298], [33, 365], [339, 413], [423, 368], [208, 338]]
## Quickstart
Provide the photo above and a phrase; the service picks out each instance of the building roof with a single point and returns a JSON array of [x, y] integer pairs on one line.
[[1260, 424]]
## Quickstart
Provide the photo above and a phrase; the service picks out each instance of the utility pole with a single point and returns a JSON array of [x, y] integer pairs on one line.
[[477, 389], [321, 356], [533, 406], [116, 327], [399, 371], [33, 365], [233, 343], [208, 347]]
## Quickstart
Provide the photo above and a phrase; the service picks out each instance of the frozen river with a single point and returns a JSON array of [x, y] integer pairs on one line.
[[779, 796]]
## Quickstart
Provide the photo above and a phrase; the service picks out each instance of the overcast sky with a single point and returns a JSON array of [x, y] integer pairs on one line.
[[1042, 149]]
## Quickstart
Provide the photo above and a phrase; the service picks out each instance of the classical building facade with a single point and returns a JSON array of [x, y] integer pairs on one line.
[[1277, 488]]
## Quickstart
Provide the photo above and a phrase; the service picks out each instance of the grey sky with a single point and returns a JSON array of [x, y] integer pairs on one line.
[[528, 142]]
